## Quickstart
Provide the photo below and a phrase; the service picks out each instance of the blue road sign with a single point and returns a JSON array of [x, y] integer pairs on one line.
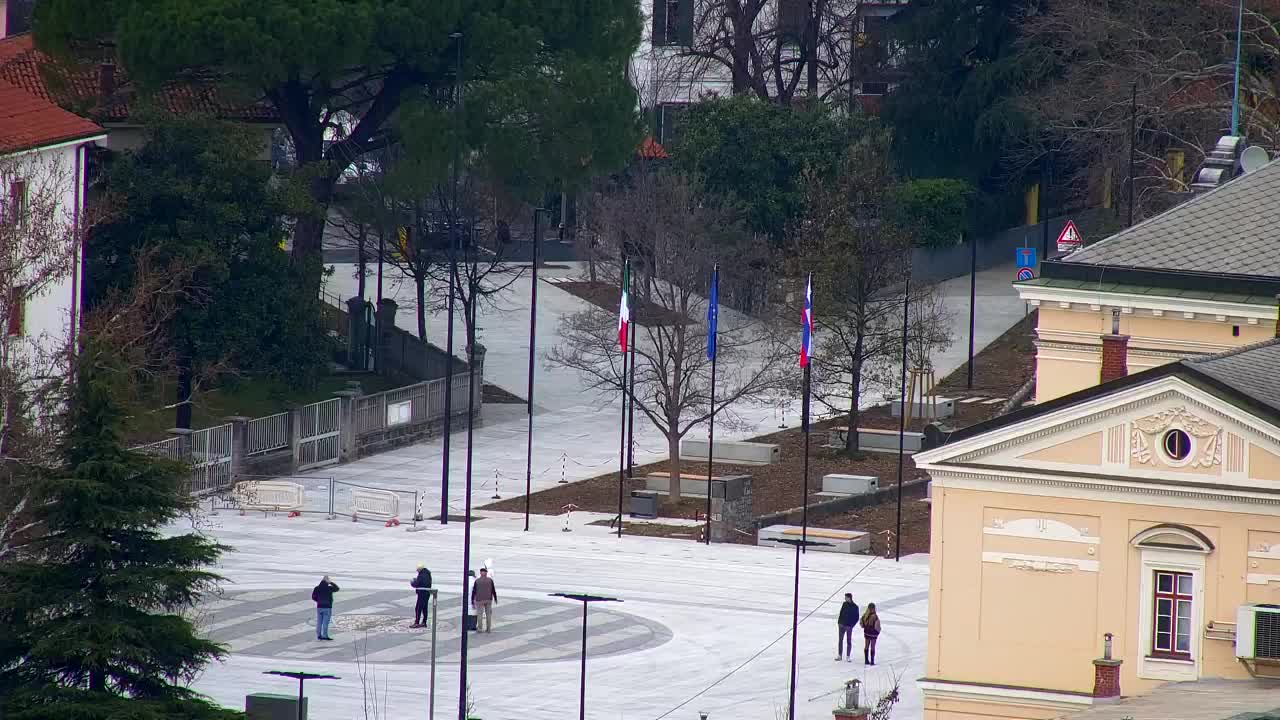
[[1026, 257], [1025, 273]]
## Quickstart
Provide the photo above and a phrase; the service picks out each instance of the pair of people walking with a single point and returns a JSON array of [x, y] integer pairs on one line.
[[850, 619]]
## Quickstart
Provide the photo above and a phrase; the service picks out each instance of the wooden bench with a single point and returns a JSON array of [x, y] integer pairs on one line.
[[840, 541], [277, 495]]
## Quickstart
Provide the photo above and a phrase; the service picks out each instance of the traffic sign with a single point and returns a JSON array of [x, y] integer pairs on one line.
[[1069, 238], [1025, 273], [1026, 257]]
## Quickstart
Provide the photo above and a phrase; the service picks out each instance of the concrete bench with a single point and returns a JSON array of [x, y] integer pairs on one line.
[[876, 440], [942, 407], [839, 541], [689, 484], [731, 452], [278, 495], [375, 503], [838, 484]]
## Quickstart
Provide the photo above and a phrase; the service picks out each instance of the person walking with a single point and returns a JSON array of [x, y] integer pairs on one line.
[[483, 597], [323, 597], [847, 621], [421, 583], [870, 631]]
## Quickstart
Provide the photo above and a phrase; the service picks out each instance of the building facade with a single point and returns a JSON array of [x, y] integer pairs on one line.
[[1104, 542], [1198, 279]]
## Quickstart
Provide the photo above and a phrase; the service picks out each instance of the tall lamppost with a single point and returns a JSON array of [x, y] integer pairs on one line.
[[453, 275], [582, 683], [533, 322], [799, 545]]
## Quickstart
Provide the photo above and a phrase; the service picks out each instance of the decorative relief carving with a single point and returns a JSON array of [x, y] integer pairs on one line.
[[1040, 528], [1038, 565], [1147, 431]]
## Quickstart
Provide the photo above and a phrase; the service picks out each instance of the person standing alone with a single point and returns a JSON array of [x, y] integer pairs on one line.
[[870, 631], [323, 597], [483, 597], [847, 622], [421, 583]]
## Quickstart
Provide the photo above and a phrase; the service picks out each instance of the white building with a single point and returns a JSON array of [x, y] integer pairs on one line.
[[43, 158]]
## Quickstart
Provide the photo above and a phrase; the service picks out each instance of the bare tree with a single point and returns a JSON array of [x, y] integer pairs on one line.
[[1177, 56], [859, 260], [674, 235], [777, 50]]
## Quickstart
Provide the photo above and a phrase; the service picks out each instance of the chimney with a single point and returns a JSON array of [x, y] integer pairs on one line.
[[1277, 333], [106, 80], [1115, 352], [1220, 166]]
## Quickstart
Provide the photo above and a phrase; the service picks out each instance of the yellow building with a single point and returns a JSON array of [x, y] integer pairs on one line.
[[1146, 508], [1198, 279]]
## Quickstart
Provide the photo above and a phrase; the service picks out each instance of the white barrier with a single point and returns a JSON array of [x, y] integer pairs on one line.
[[268, 495], [375, 503]]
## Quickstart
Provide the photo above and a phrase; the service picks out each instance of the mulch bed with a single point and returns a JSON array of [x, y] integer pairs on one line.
[[647, 529], [607, 297], [1000, 369]]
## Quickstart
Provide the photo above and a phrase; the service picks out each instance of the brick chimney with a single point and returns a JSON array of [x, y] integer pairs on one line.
[[106, 80], [1106, 674], [1277, 333], [1115, 352]]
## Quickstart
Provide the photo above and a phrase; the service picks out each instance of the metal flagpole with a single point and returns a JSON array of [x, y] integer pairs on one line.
[[973, 296], [902, 416], [533, 322], [431, 695], [795, 623], [466, 518], [1133, 140], [453, 284], [807, 341], [713, 317], [622, 429], [631, 392]]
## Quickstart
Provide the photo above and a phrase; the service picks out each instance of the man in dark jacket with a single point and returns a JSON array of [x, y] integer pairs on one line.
[[323, 597], [421, 584], [483, 596], [848, 621]]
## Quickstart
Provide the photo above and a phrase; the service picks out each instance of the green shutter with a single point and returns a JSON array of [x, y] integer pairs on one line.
[[659, 22], [686, 23]]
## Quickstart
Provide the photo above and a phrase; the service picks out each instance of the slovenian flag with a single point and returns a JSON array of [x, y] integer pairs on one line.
[[624, 308], [713, 313], [806, 320]]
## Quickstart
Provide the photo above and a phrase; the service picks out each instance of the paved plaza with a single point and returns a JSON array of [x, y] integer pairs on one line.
[[708, 625]]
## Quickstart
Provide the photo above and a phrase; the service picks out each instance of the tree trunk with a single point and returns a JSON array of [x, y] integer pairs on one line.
[[362, 259], [308, 232], [673, 461], [851, 444], [182, 410], [421, 284]]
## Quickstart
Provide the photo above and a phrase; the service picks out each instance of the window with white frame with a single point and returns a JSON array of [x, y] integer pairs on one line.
[[1171, 612]]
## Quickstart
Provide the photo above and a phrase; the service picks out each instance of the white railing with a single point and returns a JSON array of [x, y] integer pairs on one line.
[[211, 451], [171, 448], [268, 433], [426, 401]]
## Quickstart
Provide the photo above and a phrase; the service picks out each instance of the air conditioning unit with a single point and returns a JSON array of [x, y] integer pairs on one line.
[[1258, 632]]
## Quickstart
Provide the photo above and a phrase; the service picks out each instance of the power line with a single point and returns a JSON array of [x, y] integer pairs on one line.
[[764, 649]]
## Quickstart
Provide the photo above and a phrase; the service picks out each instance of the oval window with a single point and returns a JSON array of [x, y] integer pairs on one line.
[[1177, 445]]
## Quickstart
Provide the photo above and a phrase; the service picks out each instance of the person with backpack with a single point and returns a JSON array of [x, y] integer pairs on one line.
[[421, 583], [323, 597], [870, 631], [847, 621]]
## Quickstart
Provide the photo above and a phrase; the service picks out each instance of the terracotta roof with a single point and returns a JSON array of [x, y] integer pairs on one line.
[[27, 121], [651, 150], [78, 87]]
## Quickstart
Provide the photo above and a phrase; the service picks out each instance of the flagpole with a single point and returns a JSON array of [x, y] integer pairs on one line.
[[631, 393], [804, 409], [533, 322], [902, 416], [622, 429], [713, 313]]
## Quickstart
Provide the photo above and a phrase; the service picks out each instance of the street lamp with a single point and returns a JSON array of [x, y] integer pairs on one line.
[[582, 685], [795, 615], [533, 321], [453, 273], [301, 676]]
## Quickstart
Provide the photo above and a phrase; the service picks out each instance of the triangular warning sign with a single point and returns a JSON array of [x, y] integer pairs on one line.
[[1069, 238]]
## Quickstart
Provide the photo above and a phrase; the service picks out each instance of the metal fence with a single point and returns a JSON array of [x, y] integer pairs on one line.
[[268, 433], [211, 459], [171, 448], [319, 435], [409, 405]]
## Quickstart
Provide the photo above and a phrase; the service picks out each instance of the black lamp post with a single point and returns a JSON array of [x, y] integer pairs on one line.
[[795, 616], [300, 676], [533, 322], [582, 684], [453, 288]]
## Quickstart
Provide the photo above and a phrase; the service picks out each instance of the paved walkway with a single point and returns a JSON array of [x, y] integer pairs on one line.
[[575, 430]]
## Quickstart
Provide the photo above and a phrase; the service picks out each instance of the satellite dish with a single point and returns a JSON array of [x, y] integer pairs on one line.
[[1253, 158]]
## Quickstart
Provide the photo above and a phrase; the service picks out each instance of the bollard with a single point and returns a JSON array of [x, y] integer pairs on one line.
[[563, 458], [496, 495]]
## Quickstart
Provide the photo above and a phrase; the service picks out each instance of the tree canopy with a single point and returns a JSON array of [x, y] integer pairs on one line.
[[196, 194], [758, 152], [545, 80]]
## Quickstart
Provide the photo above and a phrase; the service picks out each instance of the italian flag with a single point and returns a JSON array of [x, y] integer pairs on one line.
[[624, 308]]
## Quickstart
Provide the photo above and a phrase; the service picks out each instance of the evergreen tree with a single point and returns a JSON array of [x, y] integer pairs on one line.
[[91, 618]]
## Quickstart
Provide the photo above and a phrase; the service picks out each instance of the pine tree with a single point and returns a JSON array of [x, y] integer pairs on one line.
[[91, 621]]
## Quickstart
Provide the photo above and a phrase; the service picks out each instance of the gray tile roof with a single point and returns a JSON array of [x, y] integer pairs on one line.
[[1253, 370], [1232, 229]]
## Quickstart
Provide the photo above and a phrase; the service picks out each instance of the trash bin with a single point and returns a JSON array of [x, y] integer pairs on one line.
[[644, 504], [273, 706]]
